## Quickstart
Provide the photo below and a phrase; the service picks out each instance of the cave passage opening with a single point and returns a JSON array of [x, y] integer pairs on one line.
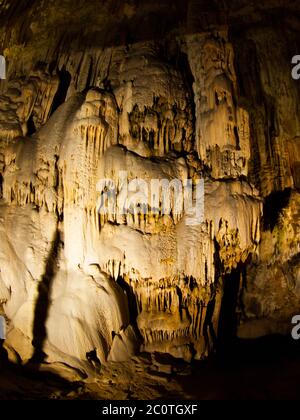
[[62, 90], [230, 306], [273, 205]]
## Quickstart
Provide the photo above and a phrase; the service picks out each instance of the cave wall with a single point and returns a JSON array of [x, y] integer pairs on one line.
[[194, 90]]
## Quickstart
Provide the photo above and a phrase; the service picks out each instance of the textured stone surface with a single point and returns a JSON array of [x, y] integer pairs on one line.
[[95, 88]]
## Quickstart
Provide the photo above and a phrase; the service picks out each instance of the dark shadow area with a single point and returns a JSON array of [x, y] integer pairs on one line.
[[31, 129], [15, 7], [93, 359], [263, 368], [19, 381], [62, 90], [209, 333], [273, 206], [43, 302], [228, 320], [3, 352], [149, 21], [132, 305], [22, 382]]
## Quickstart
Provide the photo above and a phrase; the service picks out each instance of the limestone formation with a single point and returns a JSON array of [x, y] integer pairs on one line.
[[202, 102]]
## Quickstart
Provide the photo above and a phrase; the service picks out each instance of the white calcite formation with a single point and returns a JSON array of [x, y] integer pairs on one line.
[[82, 287], [222, 128]]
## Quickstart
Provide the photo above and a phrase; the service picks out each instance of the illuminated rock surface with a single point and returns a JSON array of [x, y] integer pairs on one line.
[[95, 89]]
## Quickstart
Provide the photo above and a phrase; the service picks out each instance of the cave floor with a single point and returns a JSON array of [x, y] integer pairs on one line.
[[259, 369]]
